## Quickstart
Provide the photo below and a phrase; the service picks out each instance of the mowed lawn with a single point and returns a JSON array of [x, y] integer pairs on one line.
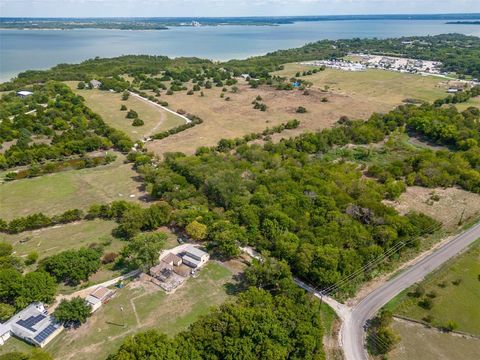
[[51, 240], [419, 342], [145, 307], [107, 105], [55, 193], [457, 290], [386, 88]]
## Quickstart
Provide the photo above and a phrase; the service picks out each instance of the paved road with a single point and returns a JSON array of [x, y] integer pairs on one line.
[[352, 332]]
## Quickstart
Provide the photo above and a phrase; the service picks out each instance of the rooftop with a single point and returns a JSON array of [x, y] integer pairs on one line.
[[100, 292], [191, 250]]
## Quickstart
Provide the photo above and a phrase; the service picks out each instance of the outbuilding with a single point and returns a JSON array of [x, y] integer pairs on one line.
[[24, 93], [194, 257], [95, 84], [99, 296]]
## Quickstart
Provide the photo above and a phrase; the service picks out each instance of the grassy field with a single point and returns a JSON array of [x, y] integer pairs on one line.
[[386, 88], [146, 306], [356, 95], [472, 102], [419, 342], [107, 104], [51, 240], [455, 293], [55, 193]]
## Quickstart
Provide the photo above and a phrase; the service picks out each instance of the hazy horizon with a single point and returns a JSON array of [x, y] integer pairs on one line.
[[224, 8]]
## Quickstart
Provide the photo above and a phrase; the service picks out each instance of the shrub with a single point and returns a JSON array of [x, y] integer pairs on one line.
[[31, 258], [426, 303], [123, 107], [138, 122], [301, 110], [132, 114], [457, 282], [109, 258], [450, 326]]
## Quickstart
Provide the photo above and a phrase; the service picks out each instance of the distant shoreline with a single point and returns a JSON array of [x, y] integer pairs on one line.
[[463, 22], [159, 23]]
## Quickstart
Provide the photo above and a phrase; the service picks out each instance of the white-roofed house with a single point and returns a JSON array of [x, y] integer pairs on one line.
[[32, 324], [24, 93], [194, 257]]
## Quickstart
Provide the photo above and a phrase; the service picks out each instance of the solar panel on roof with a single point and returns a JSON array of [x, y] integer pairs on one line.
[[45, 333], [30, 322]]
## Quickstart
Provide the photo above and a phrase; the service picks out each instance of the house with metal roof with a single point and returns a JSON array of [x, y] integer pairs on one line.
[[194, 257], [32, 324]]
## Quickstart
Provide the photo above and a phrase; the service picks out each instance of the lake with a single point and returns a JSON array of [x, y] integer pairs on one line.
[[40, 49]]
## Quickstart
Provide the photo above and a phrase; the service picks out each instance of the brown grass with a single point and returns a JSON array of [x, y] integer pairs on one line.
[[452, 203], [356, 95], [235, 118]]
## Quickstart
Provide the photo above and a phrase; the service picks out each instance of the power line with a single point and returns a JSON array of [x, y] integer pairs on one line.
[[376, 261]]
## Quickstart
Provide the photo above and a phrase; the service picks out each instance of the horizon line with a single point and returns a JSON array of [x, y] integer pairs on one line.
[[235, 17]]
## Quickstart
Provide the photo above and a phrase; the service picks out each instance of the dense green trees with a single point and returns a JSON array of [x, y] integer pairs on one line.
[[18, 291], [258, 325], [72, 266], [143, 250], [380, 338], [61, 117], [73, 312]]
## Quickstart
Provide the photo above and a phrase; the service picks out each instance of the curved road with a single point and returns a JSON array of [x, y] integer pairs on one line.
[[353, 332]]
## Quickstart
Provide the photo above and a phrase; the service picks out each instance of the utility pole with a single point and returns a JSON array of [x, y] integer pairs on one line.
[[460, 222], [123, 316]]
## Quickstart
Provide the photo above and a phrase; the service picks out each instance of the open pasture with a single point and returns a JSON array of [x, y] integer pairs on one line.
[[54, 193], [107, 105]]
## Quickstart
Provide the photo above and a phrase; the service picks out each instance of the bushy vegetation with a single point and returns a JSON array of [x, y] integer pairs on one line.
[[73, 313], [324, 218], [72, 266], [18, 290], [67, 125], [258, 325]]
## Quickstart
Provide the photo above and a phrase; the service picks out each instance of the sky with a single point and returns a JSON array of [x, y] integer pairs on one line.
[[193, 8]]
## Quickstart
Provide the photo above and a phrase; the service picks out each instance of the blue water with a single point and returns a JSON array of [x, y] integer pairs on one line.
[[40, 49]]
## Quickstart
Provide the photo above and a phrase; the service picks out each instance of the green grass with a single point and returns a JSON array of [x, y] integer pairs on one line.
[[55, 193], [475, 102], [458, 303], [419, 342], [172, 313], [51, 240], [384, 87], [107, 105]]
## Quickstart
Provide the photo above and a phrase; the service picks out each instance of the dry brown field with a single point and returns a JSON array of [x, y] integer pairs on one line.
[[356, 95]]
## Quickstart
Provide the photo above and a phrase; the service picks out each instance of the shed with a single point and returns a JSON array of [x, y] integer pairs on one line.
[[172, 259], [95, 84], [99, 296], [24, 93]]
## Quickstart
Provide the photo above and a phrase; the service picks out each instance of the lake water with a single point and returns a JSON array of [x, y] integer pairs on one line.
[[40, 49]]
